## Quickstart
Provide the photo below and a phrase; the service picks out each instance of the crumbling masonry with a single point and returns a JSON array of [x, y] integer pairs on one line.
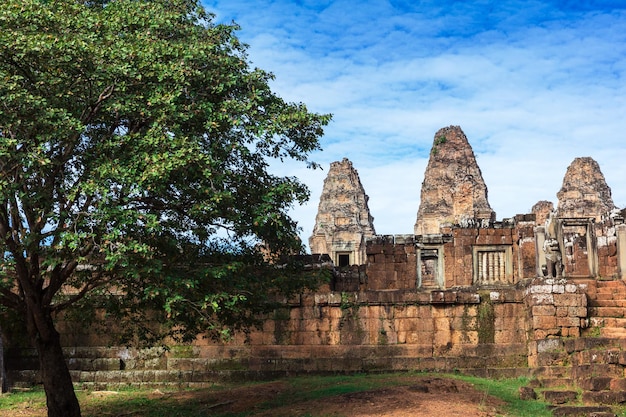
[[529, 295]]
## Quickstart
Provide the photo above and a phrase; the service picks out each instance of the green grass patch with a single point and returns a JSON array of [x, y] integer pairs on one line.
[[23, 399], [293, 391], [508, 390]]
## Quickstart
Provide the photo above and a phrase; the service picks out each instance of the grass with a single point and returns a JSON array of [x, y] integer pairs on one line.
[[508, 390], [23, 399], [131, 402], [144, 403]]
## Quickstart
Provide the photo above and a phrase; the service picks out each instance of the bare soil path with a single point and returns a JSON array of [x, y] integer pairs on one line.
[[424, 397]]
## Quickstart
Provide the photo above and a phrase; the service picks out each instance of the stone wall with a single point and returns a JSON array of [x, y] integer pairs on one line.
[[482, 332], [458, 257], [469, 298], [466, 299]]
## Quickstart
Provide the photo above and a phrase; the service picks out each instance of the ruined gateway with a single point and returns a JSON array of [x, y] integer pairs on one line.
[[530, 295]]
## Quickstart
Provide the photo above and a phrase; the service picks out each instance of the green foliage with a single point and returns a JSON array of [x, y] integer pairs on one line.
[[135, 143], [438, 141]]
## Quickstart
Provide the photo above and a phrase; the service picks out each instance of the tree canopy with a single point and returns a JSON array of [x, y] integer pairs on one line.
[[135, 143]]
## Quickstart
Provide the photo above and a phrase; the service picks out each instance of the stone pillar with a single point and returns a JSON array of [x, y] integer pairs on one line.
[[557, 307], [620, 230], [540, 238]]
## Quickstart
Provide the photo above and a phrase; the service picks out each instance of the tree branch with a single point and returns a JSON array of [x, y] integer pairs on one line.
[[88, 114], [90, 286], [10, 299]]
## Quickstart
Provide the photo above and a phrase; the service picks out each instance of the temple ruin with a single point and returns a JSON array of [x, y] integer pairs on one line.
[[530, 295], [453, 191], [343, 222]]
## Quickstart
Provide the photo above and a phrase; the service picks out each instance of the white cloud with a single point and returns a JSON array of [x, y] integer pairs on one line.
[[533, 84]]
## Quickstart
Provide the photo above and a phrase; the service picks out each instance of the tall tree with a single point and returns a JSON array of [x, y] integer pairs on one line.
[[135, 142], [4, 384]]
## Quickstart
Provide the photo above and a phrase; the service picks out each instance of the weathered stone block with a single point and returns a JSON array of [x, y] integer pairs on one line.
[[568, 322], [595, 383], [540, 289], [544, 310], [618, 384], [541, 298], [544, 322], [560, 397], [527, 393], [605, 370], [577, 410], [570, 331], [570, 300], [604, 397]]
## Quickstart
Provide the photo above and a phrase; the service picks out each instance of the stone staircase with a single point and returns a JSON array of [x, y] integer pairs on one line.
[[586, 376], [607, 309]]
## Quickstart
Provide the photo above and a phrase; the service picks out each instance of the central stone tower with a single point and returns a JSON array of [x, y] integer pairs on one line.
[[453, 191]]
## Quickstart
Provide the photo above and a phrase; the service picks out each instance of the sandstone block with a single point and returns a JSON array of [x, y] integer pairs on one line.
[[544, 310], [537, 299], [568, 322], [560, 397], [618, 384], [577, 311], [595, 383], [544, 322], [605, 370], [604, 397], [570, 300], [570, 331]]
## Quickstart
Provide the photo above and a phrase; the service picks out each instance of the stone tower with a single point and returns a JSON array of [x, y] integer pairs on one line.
[[585, 192], [343, 220], [453, 190], [542, 210]]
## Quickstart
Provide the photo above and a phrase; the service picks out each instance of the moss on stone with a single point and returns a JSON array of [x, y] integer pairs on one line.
[[486, 321]]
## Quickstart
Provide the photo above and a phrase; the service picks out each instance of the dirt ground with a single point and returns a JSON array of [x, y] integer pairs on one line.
[[424, 397]]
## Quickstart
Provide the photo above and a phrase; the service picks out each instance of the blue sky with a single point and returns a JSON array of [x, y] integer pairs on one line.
[[533, 84]]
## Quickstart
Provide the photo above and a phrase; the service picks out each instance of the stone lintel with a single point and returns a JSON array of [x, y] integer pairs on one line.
[[522, 218], [577, 221], [433, 239]]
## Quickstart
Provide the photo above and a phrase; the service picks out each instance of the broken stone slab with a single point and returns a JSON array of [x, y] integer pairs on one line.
[[560, 397], [604, 397], [595, 383], [527, 393], [582, 411]]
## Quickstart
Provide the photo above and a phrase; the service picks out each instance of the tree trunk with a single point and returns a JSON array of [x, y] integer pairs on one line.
[[57, 381], [4, 383]]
